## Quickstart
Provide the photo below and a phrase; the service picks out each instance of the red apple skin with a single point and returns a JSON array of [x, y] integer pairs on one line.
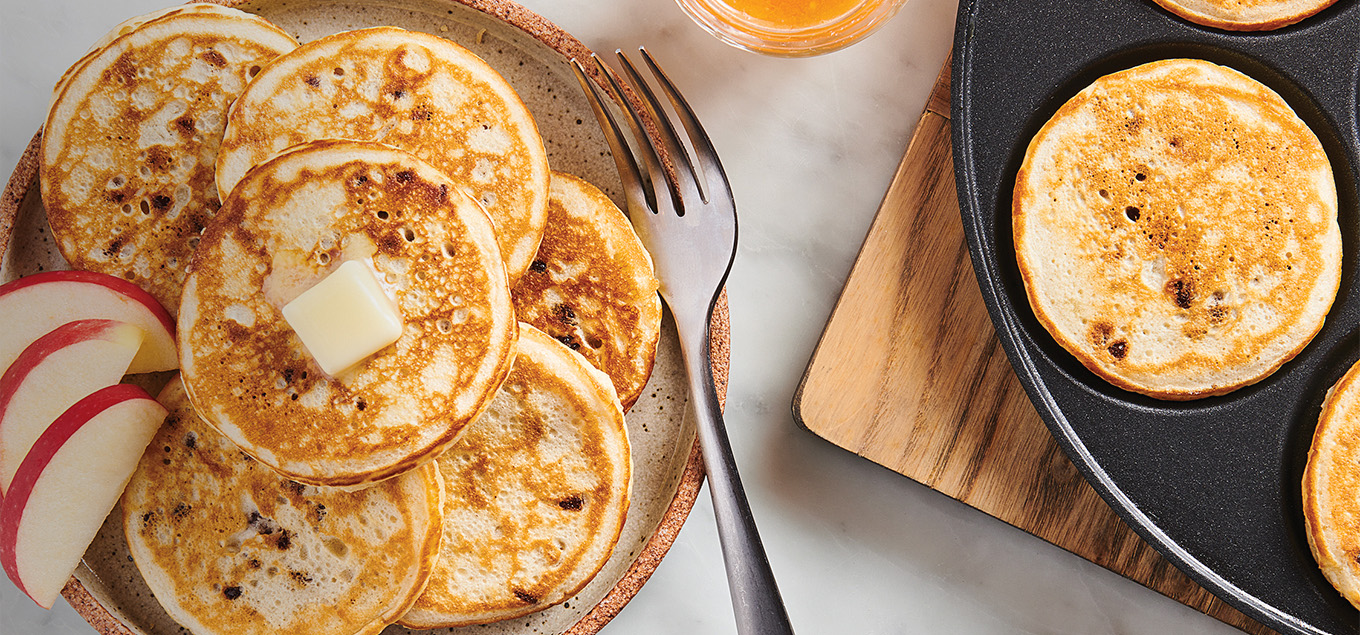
[[118, 286], [44, 449], [64, 336]]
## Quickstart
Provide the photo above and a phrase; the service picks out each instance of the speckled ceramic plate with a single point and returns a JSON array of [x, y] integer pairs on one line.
[[533, 55]]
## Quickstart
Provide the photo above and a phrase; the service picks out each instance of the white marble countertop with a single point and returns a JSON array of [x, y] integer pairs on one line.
[[810, 146]]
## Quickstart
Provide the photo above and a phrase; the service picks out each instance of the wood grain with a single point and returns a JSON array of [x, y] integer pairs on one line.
[[910, 375]]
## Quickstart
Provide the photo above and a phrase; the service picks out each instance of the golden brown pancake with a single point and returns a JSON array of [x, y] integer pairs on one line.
[[535, 493], [290, 223], [131, 139], [414, 91], [1245, 15], [592, 286], [1175, 226], [229, 546], [1331, 487]]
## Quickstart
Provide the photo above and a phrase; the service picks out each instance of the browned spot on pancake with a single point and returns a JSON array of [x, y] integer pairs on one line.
[[405, 176], [231, 592], [185, 125], [525, 596], [1100, 333], [214, 58], [180, 511], [284, 541], [300, 577], [158, 158], [1181, 292], [569, 341], [313, 81], [115, 246], [565, 314], [161, 202], [1217, 314], [123, 70], [235, 332], [1119, 349], [571, 503], [538, 266]]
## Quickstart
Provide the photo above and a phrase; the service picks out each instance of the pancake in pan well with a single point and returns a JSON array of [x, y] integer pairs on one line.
[[1175, 227], [535, 493], [1245, 15], [229, 546], [291, 222], [129, 145], [592, 286], [1331, 487], [414, 91]]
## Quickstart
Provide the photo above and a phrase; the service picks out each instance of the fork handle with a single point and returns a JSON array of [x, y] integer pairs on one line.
[[756, 601]]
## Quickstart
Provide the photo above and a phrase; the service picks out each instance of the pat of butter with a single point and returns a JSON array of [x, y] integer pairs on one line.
[[344, 318]]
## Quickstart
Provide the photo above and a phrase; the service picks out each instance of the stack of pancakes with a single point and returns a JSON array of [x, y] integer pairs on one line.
[[476, 454]]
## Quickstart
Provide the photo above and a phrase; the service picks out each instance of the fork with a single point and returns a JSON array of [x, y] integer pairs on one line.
[[688, 221]]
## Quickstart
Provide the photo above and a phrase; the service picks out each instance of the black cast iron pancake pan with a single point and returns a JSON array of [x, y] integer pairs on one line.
[[1213, 484]]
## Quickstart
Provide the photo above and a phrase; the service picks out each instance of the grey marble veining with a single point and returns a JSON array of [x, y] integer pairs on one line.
[[810, 146]]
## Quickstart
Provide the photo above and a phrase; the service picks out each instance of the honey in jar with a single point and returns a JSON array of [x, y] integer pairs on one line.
[[790, 28]]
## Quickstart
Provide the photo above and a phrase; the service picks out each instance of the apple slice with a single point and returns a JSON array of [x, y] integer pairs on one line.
[[52, 374], [69, 482], [36, 304]]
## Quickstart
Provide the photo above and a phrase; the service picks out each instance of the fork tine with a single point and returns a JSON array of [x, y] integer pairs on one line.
[[716, 186], [623, 158], [650, 158], [685, 177]]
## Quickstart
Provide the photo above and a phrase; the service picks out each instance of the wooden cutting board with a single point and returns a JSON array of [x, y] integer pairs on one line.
[[910, 375]]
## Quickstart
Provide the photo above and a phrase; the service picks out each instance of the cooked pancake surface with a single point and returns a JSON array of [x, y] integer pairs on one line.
[[1176, 229], [592, 286], [1331, 488], [414, 91], [1245, 15], [229, 546], [535, 493], [129, 25], [289, 224], [131, 139]]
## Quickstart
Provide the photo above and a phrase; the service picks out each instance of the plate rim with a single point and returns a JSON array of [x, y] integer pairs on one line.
[[985, 259], [23, 181]]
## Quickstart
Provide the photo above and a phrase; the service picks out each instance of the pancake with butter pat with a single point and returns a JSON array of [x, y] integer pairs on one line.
[[229, 546], [535, 493], [129, 146], [1176, 229], [1331, 487], [291, 222], [414, 91], [592, 286], [1245, 15]]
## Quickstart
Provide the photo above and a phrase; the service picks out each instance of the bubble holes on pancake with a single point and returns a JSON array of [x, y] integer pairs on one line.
[[1341, 154], [1299, 439]]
